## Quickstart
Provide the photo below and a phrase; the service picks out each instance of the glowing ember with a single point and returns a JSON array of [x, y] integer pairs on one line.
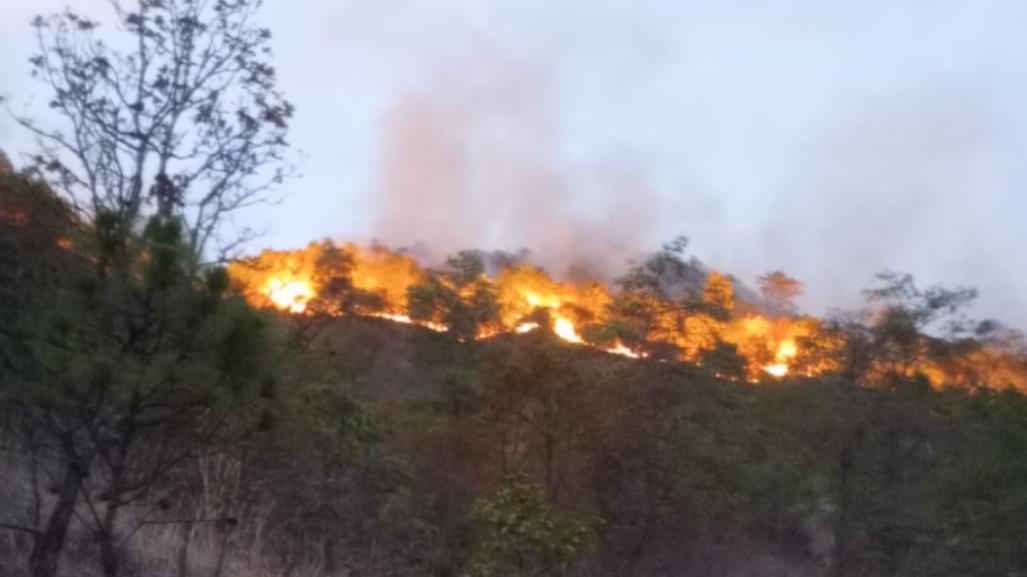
[[777, 370], [290, 295]]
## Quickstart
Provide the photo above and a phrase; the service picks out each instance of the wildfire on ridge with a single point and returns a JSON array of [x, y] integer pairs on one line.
[[294, 281], [734, 342], [523, 290]]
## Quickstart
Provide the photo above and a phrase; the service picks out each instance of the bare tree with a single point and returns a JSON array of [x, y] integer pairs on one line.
[[178, 115]]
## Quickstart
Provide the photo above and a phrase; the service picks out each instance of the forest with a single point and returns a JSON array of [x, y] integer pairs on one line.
[[171, 407]]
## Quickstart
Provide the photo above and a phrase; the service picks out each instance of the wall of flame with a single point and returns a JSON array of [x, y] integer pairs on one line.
[[772, 348]]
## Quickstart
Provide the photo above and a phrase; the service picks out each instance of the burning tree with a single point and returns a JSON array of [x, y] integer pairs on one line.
[[459, 297], [899, 332], [667, 306], [779, 292]]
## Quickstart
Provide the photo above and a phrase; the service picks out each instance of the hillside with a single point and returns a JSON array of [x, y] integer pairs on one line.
[[675, 471], [461, 349], [329, 442]]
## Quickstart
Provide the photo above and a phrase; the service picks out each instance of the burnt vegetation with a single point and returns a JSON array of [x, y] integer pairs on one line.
[[344, 410]]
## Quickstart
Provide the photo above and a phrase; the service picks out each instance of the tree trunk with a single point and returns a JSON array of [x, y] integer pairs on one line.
[[107, 534], [46, 550], [108, 553], [183, 550], [841, 531], [223, 535]]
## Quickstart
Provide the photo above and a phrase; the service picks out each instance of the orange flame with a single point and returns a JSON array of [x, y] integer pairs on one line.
[[619, 349], [287, 280], [379, 270], [786, 351], [289, 295], [565, 330], [525, 328], [405, 319]]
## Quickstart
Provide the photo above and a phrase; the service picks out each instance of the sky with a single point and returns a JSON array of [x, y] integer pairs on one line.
[[830, 140]]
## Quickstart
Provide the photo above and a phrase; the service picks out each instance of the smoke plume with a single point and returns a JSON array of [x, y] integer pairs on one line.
[[472, 159]]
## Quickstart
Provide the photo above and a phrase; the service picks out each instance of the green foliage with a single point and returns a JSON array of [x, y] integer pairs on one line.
[[397, 468], [516, 532], [135, 363], [982, 491], [723, 360], [33, 222], [613, 330], [326, 416], [431, 301], [146, 326], [380, 446]]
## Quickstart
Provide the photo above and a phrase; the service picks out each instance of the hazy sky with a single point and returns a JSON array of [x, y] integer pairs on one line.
[[827, 139]]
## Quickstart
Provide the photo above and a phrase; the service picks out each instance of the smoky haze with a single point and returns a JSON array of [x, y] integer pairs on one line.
[[829, 141], [832, 167], [470, 160], [906, 184]]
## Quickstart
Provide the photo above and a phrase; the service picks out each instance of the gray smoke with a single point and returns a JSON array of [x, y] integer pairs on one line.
[[472, 160], [903, 183]]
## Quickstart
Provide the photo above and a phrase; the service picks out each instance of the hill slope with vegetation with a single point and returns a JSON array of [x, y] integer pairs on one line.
[[167, 411], [325, 445]]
